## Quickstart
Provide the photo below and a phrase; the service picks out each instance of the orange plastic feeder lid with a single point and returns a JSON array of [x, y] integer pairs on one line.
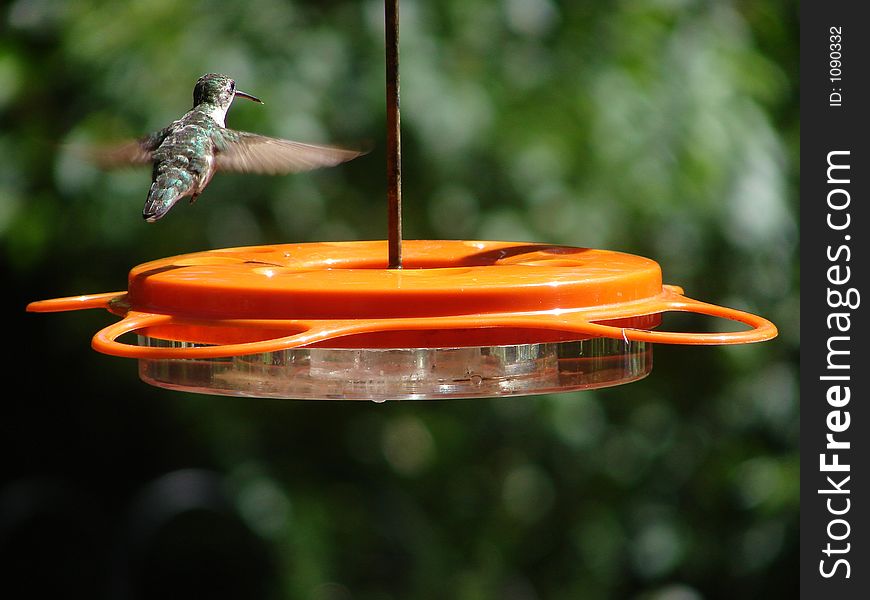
[[241, 301]]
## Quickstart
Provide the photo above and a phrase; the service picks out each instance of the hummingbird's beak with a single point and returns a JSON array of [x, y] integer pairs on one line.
[[248, 96]]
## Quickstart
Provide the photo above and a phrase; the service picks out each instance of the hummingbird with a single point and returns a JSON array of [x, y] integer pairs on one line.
[[186, 154]]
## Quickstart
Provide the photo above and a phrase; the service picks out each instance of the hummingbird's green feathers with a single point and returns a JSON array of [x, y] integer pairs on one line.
[[183, 165], [168, 187], [245, 152]]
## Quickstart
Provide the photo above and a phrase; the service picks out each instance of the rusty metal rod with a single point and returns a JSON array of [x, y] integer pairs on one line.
[[394, 136]]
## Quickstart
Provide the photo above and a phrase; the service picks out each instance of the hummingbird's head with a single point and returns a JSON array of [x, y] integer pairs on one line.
[[219, 91]]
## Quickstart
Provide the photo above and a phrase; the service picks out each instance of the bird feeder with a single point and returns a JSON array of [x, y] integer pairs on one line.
[[379, 320], [460, 319]]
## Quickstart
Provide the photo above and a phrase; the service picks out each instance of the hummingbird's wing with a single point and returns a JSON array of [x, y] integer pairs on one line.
[[131, 153], [245, 152]]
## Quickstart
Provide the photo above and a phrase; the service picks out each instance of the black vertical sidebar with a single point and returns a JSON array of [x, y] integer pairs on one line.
[[835, 300]]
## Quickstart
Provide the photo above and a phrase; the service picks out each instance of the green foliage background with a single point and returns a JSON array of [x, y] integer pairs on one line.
[[666, 128]]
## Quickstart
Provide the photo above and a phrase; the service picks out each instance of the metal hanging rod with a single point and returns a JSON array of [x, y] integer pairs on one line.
[[394, 136]]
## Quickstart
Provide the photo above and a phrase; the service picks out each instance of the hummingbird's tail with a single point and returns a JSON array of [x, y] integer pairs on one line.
[[168, 187]]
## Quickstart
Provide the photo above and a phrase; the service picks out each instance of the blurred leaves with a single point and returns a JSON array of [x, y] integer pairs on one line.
[[666, 128]]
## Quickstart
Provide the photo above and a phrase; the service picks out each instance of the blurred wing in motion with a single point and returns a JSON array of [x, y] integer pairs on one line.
[[132, 153], [244, 152]]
